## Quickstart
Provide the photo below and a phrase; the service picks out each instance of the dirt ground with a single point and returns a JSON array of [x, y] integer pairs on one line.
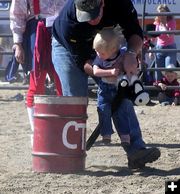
[[106, 169]]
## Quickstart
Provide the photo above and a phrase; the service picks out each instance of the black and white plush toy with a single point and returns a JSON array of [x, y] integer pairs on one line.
[[132, 89]]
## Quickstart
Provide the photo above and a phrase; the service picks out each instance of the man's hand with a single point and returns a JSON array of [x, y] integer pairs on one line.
[[19, 53], [88, 68], [130, 64]]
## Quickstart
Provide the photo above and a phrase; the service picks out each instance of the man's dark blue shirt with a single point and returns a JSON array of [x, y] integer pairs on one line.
[[78, 37]]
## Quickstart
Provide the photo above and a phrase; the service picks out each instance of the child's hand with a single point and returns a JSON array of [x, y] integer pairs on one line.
[[115, 72], [162, 86]]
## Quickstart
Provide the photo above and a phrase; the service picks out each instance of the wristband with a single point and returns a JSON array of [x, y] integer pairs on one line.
[[131, 51]]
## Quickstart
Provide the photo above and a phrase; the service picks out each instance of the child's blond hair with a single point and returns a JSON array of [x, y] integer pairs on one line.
[[108, 39], [164, 8]]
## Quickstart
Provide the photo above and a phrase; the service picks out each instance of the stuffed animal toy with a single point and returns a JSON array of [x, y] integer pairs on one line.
[[131, 89]]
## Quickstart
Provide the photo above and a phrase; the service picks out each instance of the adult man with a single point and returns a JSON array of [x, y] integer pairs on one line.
[[72, 52]]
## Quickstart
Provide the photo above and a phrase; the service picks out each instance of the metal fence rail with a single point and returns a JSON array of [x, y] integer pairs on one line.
[[175, 32], [162, 50], [13, 87]]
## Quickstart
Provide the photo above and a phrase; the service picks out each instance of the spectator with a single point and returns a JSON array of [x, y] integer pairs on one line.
[[165, 41], [31, 22], [74, 30], [168, 96]]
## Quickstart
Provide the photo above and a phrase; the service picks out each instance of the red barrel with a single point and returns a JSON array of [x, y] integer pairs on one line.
[[59, 134]]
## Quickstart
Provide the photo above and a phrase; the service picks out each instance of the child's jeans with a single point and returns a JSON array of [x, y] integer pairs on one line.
[[125, 119], [106, 93]]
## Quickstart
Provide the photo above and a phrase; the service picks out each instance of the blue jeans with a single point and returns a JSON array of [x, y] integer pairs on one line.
[[105, 96], [124, 119], [73, 80], [166, 58]]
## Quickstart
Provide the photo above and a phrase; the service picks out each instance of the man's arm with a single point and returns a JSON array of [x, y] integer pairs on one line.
[[133, 33]]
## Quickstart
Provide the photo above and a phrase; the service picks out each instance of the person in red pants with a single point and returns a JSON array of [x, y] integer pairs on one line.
[[31, 24]]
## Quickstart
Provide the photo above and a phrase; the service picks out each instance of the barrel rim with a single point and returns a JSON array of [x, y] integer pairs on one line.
[[52, 99]]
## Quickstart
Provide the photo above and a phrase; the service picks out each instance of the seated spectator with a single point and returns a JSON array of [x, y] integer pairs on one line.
[[168, 96]]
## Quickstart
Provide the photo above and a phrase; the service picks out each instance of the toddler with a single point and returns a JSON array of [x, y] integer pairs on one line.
[[108, 66]]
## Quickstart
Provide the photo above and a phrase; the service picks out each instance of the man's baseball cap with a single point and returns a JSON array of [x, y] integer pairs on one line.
[[87, 10]]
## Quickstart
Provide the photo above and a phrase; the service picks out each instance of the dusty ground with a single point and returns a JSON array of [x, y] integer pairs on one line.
[[106, 169]]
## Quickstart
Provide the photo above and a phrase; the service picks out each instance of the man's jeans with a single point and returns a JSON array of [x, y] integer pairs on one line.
[[73, 80]]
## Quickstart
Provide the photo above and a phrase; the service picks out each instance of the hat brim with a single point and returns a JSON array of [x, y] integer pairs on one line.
[[84, 16]]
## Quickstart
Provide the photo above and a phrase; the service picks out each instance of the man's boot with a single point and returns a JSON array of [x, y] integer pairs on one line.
[[141, 157]]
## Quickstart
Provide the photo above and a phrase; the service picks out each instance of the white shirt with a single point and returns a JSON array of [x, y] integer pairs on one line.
[[20, 14]]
